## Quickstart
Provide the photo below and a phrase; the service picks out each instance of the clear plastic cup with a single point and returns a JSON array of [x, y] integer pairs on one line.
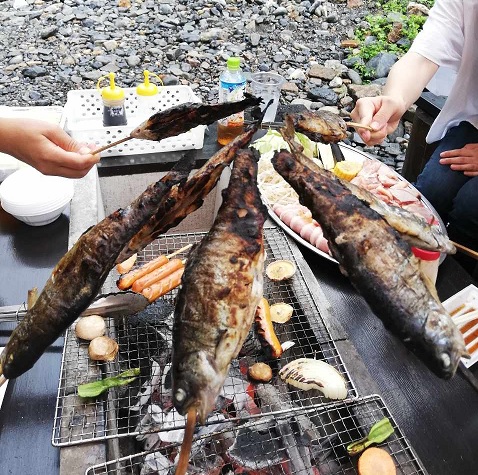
[[267, 86]]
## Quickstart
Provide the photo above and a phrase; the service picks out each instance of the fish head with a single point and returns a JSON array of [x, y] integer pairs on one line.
[[196, 383]]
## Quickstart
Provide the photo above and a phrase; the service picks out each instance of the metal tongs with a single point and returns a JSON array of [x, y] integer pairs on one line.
[[110, 305]]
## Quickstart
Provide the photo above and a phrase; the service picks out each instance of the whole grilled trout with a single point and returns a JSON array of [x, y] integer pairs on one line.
[[379, 263], [189, 197], [79, 275], [221, 288]]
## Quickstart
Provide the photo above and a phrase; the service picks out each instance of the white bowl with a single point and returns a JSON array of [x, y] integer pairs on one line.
[[34, 198]]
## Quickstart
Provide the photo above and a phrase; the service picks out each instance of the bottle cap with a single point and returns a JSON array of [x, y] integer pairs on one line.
[[425, 255], [233, 63], [111, 92], [147, 88]]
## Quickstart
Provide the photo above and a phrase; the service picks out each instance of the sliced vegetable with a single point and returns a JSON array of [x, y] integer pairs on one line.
[[347, 170], [310, 147], [165, 285], [326, 155], [265, 329], [379, 432], [96, 388], [157, 274], [127, 265], [102, 348], [375, 461], [281, 312], [90, 327], [280, 270], [308, 373], [270, 142], [260, 372]]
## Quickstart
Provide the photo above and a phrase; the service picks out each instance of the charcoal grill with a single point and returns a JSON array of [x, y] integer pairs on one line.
[[110, 416], [335, 426]]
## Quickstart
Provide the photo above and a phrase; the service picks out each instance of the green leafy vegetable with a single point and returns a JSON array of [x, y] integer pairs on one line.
[[95, 388], [379, 432], [272, 141]]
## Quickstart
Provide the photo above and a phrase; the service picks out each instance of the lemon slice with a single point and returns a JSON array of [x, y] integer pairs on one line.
[[347, 170]]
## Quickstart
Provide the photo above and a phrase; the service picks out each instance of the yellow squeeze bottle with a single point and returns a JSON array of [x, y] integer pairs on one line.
[[114, 113], [146, 100]]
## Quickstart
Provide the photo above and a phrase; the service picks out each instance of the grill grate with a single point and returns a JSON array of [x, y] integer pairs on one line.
[[147, 346], [277, 446]]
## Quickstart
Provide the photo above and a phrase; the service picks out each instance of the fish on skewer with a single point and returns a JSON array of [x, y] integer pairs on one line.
[[412, 227], [79, 275], [181, 118], [319, 126], [379, 263], [221, 288], [189, 197]]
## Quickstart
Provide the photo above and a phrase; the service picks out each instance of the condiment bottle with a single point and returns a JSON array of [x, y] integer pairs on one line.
[[146, 100], [232, 85], [429, 261], [114, 112]]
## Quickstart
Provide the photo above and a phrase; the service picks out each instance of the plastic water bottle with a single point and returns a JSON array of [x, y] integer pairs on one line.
[[114, 112], [232, 85]]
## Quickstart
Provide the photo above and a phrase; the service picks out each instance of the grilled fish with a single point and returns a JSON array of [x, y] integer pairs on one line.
[[181, 118], [187, 198], [412, 228], [319, 126], [221, 287], [379, 263], [79, 275]]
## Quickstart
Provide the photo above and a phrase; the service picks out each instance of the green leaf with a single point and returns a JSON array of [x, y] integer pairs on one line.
[[379, 432], [96, 388]]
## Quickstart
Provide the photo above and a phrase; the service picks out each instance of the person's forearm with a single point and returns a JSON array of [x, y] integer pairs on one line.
[[408, 77]]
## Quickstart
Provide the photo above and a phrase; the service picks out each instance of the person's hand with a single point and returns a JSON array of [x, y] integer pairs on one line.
[[382, 113], [462, 159], [45, 146]]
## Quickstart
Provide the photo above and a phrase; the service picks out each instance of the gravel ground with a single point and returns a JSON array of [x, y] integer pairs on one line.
[[50, 47]]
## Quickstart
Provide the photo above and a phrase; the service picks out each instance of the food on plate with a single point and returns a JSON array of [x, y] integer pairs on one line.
[[90, 327], [281, 312], [265, 329], [103, 348], [222, 286], [319, 126], [347, 170], [183, 117], [163, 286], [127, 280], [95, 388], [379, 433], [77, 278], [376, 461], [309, 373], [260, 372], [157, 275], [281, 269], [378, 262], [127, 265], [188, 197]]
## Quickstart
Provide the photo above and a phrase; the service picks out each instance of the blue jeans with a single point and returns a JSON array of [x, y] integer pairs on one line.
[[451, 193]]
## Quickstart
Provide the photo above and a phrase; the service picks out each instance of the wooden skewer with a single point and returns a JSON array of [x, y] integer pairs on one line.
[[356, 125], [175, 253], [106, 147], [466, 250], [3, 380]]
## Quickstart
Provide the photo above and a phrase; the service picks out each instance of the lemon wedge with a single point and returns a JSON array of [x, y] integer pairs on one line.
[[347, 170]]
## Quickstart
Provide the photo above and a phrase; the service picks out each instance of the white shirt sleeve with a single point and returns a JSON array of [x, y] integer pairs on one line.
[[442, 37]]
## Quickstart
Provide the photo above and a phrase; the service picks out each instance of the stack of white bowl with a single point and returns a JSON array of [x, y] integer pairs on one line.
[[34, 198]]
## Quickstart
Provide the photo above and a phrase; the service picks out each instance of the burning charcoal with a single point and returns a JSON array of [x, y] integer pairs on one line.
[[154, 314], [254, 450]]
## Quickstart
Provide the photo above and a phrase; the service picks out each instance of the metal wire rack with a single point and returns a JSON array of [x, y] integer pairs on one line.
[[147, 345], [301, 442]]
